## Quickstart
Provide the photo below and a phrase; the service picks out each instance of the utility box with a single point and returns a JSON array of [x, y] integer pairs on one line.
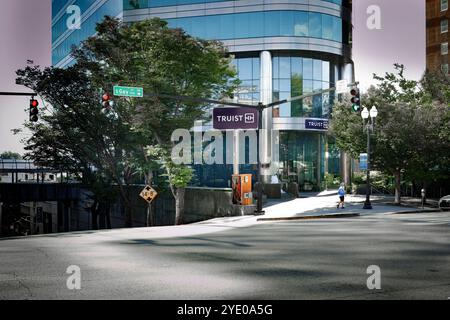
[[242, 189]]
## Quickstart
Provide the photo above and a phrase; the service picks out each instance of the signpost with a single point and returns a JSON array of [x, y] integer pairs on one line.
[[149, 194], [132, 92], [235, 118]]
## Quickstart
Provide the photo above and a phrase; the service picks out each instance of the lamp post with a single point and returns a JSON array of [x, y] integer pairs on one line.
[[368, 126]]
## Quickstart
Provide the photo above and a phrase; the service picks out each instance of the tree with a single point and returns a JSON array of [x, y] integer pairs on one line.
[[407, 139], [161, 60], [105, 148], [10, 155], [75, 136]]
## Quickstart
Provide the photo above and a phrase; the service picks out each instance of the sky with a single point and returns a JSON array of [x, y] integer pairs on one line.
[[25, 34]]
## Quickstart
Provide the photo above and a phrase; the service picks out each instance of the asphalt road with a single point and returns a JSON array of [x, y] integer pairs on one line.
[[312, 259]]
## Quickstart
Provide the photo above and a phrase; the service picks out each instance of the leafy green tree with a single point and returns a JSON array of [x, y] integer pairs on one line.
[[75, 136], [106, 148], [10, 155], [408, 134], [163, 61]]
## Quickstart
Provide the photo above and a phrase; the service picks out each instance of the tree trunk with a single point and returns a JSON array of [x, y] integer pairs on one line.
[[108, 216], [397, 176], [102, 218], [94, 216], [128, 215], [179, 205]]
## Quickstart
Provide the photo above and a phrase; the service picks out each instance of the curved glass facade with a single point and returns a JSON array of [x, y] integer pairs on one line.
[[281, 49], [294, 76], [262, 24], [141, 4]]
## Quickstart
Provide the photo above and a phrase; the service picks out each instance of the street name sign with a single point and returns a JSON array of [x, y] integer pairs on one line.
[[133, 92], [149, 194], [235, 118], [341, 86]]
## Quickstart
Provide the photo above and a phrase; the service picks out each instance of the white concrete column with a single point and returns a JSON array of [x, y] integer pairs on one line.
[[236, 153], [267, 121], [348, 72]]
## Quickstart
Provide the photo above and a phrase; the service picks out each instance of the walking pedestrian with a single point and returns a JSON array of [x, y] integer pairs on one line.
[[341, 194]]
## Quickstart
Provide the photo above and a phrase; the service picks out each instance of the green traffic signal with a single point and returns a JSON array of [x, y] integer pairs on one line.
[[356, 100]]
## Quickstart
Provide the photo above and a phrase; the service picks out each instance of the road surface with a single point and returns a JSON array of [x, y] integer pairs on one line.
[[238, 259]]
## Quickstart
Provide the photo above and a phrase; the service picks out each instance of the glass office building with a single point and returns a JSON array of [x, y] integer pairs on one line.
[[281, 49], [66, 34]]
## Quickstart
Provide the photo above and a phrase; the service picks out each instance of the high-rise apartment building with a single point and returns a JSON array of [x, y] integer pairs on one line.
[[438, 16]]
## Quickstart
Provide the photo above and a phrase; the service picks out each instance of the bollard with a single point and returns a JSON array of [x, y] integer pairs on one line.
[[422, 192]]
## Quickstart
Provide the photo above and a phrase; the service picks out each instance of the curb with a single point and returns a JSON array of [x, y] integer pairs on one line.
[[325, 216], [417, 211]]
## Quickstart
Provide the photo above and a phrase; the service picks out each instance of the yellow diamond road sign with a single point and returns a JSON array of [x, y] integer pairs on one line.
[[148, 194]]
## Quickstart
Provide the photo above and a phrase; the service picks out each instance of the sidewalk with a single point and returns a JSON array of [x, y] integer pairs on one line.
[[323, 205]]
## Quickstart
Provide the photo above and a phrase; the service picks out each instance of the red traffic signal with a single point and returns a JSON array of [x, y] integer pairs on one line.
[[106, 101], [105, 97], [34, 104]]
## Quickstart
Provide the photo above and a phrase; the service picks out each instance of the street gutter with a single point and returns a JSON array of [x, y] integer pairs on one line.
[[324, 216]]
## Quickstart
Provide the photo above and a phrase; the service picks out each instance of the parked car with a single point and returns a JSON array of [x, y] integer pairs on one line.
[[444, 203]]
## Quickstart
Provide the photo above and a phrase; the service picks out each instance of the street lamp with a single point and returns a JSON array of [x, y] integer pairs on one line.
[[368, 126]]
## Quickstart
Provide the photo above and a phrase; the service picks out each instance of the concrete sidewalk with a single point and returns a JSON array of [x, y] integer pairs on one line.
[[323, 205]]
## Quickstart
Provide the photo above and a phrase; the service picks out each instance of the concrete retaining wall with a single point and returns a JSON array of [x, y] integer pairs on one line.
[[207, 203]]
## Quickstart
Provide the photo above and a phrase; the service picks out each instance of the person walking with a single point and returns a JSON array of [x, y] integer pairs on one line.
[[341, 194]]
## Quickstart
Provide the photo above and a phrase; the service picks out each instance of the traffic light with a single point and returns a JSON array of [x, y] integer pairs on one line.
[[356, 99], [34, 104], [106, 102]]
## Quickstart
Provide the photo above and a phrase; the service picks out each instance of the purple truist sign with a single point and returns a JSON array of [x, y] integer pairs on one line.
[[235, 118], [315, 124]]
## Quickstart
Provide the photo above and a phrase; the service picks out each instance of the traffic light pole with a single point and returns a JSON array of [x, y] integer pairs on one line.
[[367, 203], [259, 188], [23, 94]]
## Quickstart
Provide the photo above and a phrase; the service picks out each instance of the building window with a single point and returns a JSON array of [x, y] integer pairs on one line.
[[444, 48], [444, 68], [444, 26], [444, 5]]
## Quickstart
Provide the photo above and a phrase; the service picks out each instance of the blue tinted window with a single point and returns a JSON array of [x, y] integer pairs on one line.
[[337, 29], [62, 50], [140, 4], [249, 74], [327, 27], [285, 67], [307, 68], [294, 76], [272, 24], [317, 70], [262, 24], [315, 25], [301, 24], [296, 65]]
